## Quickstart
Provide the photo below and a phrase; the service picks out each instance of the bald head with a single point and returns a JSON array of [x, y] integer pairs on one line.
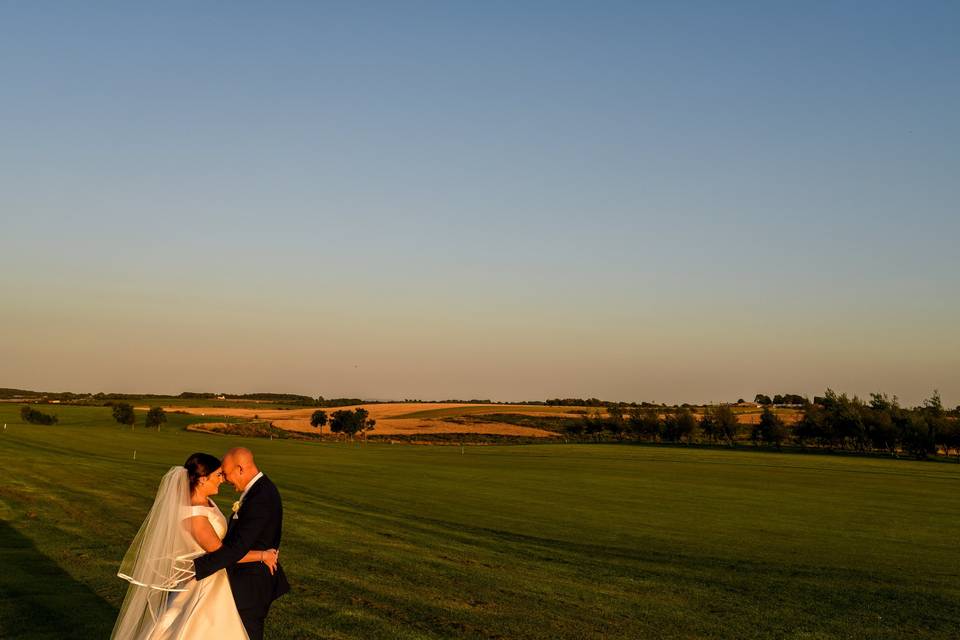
[[241, 455], [239, 467]]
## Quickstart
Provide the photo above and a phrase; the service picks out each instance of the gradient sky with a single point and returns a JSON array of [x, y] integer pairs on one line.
[[515, 200]]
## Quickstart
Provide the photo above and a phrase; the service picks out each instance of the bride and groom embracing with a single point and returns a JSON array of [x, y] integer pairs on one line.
[[192, 575]]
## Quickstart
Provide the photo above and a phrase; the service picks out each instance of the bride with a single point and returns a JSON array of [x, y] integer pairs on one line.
[[163, 601]]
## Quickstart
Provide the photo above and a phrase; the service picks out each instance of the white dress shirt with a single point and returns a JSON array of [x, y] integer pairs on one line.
[[250, 484]]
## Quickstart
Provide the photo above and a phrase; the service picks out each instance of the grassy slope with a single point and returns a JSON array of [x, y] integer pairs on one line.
[[536, 542]]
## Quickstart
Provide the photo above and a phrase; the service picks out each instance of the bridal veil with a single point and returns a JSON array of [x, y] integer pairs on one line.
[[159, 562]]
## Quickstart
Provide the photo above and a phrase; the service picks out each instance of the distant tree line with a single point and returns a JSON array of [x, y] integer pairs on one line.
[[109, 399], [590, 402], [832, 422], [552, 402], [659, 424], [278, 398], [781, 399], [339, 402], [880, 424], [576, 402], [13, 394], [42, 397], [454, 401]]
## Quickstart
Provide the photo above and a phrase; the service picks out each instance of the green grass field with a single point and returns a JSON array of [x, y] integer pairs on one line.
[[543, 541]]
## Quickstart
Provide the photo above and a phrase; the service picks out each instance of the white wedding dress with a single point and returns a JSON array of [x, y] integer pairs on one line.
[[163, 601], [206, 609]]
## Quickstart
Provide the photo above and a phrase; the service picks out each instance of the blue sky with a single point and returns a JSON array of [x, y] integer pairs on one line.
[[636, 201]]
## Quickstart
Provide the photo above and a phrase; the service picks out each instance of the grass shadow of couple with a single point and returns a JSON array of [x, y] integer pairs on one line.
[[41, 600]]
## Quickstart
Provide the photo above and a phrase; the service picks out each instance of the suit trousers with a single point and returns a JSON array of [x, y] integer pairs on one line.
[[253, 620]]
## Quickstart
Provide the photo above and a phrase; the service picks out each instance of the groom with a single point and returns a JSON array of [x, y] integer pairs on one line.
[[255, 525]]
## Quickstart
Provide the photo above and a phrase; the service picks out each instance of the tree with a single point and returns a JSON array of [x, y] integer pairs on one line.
[[878, 423], [770, 430], [351, 422], [882, 434], [937, 422], [810, 428], [156, 417], [123, 413], [845, 418], [575, 427], [949, 437], [341, 421], [686, 426], [615, 423], [762, 399], [680, 426], [319, 418], [593, 422], [915, 435], [933, 405], [880, 402], [708, 424], [644, 422], [727, 424], [31, 415], [671, 430]]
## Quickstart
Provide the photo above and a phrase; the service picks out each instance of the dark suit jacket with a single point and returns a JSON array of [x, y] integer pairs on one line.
[[257, 527]]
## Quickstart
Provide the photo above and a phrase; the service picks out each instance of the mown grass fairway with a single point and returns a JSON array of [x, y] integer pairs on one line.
[[544, 541]]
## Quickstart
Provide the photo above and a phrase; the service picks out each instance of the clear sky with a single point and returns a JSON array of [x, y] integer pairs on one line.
[[515, 200]]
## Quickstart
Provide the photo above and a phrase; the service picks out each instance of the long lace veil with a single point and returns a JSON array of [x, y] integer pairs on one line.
[[160, 558]]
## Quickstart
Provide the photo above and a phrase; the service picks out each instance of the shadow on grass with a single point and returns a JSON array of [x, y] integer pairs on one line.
[[41, 600]]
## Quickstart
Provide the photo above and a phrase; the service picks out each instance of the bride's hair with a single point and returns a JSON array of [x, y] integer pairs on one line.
[[199, 465]]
